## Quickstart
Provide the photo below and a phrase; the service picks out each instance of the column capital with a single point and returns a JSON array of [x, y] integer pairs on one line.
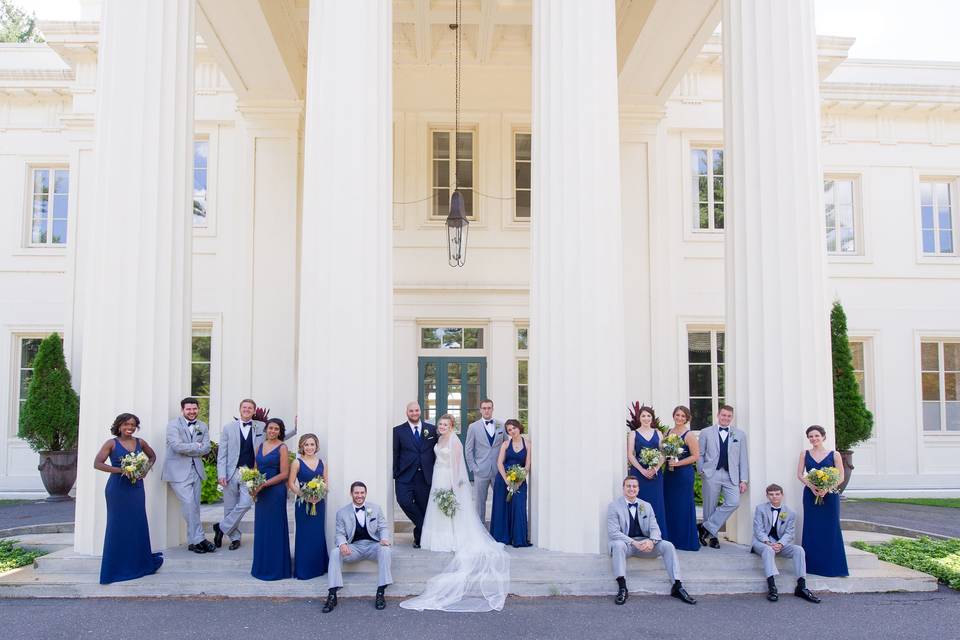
[[272, 114]]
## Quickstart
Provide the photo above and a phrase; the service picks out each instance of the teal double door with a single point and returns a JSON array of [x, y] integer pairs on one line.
[[452, 385]]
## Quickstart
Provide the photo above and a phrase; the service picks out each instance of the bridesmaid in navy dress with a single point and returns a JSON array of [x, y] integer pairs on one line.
[[822, 540], [310, 558], [678, 486], [127, 554], [271, 534], [643, 436], [508, 519]]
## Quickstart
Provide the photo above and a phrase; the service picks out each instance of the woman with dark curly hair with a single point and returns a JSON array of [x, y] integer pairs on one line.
[[644, 435], [271, 533], [127, 554]]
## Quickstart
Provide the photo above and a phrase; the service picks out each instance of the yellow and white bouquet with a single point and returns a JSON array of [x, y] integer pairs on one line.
[[673, 447], [825, 479], [311, 493], [446, 501], [650, 458], [516, 476], [252, 479], [135, 466]]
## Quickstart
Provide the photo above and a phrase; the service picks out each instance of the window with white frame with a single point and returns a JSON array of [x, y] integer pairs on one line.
[[523, 361], [201, 344], [707, 187], [25, 351], [50, 189], [522, 164], [448, 173], [451, 338], [936, 217], [201, 154], [839, 207], [705, 364], [940, 382], [861, 349]]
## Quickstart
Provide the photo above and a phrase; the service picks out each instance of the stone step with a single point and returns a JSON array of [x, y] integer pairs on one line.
[[238, 584]]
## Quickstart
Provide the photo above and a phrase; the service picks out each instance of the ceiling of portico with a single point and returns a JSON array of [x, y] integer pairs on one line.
[[262, 44]]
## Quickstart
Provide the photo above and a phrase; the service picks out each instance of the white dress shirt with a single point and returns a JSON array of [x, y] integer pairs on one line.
[[490, 426]]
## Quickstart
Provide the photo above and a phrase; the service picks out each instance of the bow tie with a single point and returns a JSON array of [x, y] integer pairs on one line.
[[488, 421], [247, 424], [724, 429], [774, 508], [190, 424], [358, 509], [632, 505]]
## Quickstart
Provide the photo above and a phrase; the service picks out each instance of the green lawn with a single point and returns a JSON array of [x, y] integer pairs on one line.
[[12, 556], [4, 503], [939, 558], [953, 503]]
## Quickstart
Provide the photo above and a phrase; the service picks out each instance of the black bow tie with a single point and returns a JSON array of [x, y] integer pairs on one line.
[[724, 429], [247, 424], [632, 506], [488, 421], [358, 509], [190, 424], [774, 508]]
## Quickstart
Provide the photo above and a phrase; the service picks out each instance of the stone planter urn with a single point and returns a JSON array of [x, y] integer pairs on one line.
[[58, 471], [846, 457]]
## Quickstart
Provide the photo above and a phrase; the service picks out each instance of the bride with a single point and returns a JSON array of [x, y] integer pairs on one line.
[[478, 576]]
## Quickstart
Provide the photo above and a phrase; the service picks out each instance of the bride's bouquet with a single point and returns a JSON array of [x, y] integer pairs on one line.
[[446, 501], [673, 447], [516, 476], [650, 457], [825, 479], [135, 466], [252, 479], [311, 493]]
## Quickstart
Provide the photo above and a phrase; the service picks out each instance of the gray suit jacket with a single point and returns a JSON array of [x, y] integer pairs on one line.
[[377, 525], [229, 451], [480, 454], [185, 448], [618, 521], [786, 524], [736, 453]]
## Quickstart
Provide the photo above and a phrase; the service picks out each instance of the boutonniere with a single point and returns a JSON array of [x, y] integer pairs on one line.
[[783, 517], [368, 511], [427, 434]]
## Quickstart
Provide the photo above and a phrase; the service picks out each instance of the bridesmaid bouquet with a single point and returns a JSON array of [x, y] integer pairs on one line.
[[446, 501], [252, 479], [516, 476], [311, 493], [135, 466], [673, 447], [825, 479], [650, 457]]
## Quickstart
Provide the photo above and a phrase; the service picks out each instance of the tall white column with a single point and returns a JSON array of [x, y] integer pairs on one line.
[[135, 279], [345, 366], [577, 370], [778, 343]]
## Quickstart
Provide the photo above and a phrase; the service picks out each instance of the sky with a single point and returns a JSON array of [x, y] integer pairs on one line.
[[888, 29]]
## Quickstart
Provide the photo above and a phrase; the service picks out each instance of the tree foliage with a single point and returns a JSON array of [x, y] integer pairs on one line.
[[16, 25], [853, 420], [51, 415]]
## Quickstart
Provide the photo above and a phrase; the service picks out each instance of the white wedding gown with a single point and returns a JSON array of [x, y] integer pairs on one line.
[[478, 576]]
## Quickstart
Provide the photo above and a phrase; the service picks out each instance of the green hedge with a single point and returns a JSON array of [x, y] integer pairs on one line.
[[939, 558], [209, 493]]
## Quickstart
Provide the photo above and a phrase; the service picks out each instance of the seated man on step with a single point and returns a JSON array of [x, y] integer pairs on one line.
[[774, 528]]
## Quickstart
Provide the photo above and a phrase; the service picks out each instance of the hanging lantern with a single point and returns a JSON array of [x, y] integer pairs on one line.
[[457, 227]]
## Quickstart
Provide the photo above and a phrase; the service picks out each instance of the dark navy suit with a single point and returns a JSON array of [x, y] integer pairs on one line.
[[413, 471]]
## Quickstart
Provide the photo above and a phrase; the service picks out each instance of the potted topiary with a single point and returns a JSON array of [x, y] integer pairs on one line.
[[853, 421], [50, 418]]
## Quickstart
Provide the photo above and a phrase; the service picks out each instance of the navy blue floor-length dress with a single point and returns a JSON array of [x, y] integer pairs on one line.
[[271, 533]]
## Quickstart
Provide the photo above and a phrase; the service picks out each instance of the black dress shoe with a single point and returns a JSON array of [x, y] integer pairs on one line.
[[234, 545], [380, 603], [622, 595], [681, 594], [714, 543], [806, 594], [772, 594], [209, 546], [702, 534], [416, 545], [197, 548], [331, 603], [217, 535]]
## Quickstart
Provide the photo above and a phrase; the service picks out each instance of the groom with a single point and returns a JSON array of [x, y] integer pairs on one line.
[[482, 449], [413, 459]]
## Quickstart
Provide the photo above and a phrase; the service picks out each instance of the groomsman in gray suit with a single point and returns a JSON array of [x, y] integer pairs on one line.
[[188, 440], [484, 437], [774, 530], [238, 445], [725, 470], [363, 533], [633, 531]]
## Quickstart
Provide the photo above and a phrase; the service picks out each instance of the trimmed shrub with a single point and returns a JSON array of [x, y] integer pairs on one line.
[[51, 415]]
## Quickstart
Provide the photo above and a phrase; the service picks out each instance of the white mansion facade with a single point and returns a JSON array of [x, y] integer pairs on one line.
[[312, 274]]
